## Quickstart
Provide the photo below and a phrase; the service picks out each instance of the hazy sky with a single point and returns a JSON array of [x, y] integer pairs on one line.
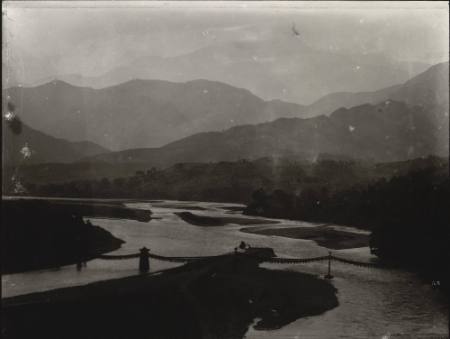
[[92, 38]]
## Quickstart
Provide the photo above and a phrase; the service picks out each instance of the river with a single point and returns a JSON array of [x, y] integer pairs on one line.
[[373, 303]]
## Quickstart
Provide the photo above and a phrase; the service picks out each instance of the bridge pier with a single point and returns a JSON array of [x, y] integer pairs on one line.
[[144, 261], [328, 275]]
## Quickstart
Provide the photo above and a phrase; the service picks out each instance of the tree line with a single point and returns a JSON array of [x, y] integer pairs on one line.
[[407, 214]]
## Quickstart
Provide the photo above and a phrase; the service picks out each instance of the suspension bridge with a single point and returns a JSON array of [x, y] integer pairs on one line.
[[263, 255]]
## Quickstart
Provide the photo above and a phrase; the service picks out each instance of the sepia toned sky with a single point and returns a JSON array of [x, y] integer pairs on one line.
[[93, 38]]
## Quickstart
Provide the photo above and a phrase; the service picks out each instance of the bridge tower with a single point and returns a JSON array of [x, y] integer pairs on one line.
[[144, 264], [328, 275]]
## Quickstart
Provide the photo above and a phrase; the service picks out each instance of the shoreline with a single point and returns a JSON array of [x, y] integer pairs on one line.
[[33, 239], [91, 208]]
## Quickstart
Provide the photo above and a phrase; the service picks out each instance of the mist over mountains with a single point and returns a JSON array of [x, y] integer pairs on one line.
[[384, 132], [390, 130], [204, 121], [284, 68], [429, 89], [142, 113]]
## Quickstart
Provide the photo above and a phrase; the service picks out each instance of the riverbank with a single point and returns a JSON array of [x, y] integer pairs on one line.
[[201, 220], [95, 208], [39, 234], [324, 236], [212, 298]]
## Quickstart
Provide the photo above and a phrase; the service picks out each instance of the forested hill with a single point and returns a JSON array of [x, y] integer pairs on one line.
[[407, 214], [226, 181]]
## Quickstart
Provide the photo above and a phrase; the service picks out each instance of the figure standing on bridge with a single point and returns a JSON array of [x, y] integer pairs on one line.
[[243, 246]]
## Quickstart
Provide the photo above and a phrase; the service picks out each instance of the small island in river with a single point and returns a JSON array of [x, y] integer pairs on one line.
[[201, 220], [325, 236]]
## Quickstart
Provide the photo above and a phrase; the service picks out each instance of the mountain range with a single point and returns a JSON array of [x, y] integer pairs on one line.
[[410, 121], [396, 123], [142, 113], [152, 113], [283, 67], [385, 132], [429, 88]]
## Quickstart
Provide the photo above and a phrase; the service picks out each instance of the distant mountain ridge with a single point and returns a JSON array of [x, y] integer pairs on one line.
[[153, 112], [136, 111], [389, 130], [284, 68], [429, 88], [142, 113], [385, 132]]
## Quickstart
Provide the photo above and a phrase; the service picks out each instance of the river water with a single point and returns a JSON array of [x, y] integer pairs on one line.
[[373, 303]]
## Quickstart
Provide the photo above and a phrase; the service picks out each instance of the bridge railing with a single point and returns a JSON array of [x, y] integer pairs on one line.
[[118, 257], [357, 263], [144, 255]]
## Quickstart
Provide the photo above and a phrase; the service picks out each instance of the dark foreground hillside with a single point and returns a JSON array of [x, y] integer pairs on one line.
[[214, 298]]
